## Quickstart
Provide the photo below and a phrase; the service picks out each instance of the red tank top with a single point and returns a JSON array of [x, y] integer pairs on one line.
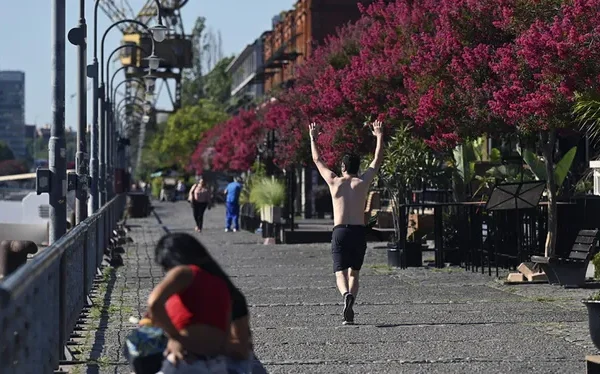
[[205, 302]]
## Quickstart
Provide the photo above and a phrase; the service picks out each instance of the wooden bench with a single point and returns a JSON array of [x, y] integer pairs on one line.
[[373, 203], [570, 271]]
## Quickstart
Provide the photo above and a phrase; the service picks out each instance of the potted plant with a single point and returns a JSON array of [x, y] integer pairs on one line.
[[407, 160], [268, 195], [413, 246], [593, 306]]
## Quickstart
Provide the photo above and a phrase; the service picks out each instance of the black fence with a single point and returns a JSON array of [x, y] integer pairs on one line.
[[41, 302], [468, 235], [249, 218]]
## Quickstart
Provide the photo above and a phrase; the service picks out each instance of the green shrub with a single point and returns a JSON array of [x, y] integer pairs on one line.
[[156, 186], [595, 297], [258, 173], [266, 192], [596, 262]]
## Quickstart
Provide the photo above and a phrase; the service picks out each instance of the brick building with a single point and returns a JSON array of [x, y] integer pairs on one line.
[[298, 31], [247, 76]]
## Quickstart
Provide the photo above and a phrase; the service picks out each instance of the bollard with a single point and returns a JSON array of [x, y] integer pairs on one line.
[[13, 254]]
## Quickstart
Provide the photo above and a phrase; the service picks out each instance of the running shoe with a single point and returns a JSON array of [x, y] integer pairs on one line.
[[348, 311]]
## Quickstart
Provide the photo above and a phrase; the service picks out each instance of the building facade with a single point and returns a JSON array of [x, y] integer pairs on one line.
[[297, 32], [247, 75], [12, 111]]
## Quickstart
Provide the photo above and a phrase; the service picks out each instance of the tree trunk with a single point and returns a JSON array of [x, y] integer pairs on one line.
[[458, 188], [395, 215], [548, 140]]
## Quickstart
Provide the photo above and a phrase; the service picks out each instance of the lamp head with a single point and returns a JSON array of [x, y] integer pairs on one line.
[[153, 61], [149, 97], [150, 81], [159, 32]]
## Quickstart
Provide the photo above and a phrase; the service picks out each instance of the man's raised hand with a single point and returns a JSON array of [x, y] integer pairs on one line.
[[314, 130], [376, 128]]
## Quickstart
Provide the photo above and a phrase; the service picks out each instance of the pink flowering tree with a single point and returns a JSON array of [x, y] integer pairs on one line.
[[318, 97], [236, 150], [539, 74], [204, 153], [284, 117]]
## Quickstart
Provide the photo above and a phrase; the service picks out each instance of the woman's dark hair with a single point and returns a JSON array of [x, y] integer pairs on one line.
[[183, 249]]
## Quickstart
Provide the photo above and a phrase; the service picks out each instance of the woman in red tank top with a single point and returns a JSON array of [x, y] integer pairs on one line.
[[192, 306]]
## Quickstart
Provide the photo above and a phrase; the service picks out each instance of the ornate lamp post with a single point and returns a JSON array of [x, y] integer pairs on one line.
[[98, 176]]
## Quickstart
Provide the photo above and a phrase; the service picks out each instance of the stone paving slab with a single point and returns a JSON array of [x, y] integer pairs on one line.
[[416, 320]]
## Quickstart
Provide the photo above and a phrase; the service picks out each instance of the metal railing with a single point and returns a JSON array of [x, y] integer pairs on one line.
[[41, 302]]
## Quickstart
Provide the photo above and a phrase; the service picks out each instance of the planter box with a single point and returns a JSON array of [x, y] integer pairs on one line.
[[593, 308], [411, 256], [271, 214]]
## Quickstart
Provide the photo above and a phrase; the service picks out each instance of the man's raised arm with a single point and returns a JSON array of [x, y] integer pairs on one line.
[[370, 173], [327, 174]]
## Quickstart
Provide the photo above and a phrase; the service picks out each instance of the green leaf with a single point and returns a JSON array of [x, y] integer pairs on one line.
[[562, 167], [495, 155], [535, 163]]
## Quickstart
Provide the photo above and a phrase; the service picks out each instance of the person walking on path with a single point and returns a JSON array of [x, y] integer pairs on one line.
[[232, 204], [180, 190], [349, 195], [199, 197]]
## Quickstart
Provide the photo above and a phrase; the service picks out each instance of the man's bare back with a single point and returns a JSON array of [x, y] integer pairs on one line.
[[349, 195], [349, 191]]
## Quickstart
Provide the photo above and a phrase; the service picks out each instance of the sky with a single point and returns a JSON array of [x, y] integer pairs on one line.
[[26, 44]]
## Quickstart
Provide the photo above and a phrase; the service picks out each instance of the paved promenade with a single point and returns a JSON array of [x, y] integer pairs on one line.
[[408, 321]]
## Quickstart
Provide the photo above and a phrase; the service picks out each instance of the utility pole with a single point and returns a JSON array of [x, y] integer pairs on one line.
[[109, 146], [92, 72], [57, 152], [78, 37], [103, 147]]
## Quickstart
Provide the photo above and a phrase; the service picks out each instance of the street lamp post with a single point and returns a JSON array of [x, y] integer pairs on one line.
[[109, 125], [159, 34], [116, 107], [117, 148], [113, 96], [77, 36], [112, 79], [54, 179], [105, 135], [124, 120]]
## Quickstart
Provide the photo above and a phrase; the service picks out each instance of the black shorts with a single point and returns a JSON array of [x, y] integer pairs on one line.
[[348, 246]]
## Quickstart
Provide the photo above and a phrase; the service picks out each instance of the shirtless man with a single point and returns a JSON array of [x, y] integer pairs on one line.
[[349, 195]]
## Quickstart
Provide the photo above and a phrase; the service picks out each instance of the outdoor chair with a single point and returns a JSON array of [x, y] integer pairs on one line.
[[373, 203], [570, 271]]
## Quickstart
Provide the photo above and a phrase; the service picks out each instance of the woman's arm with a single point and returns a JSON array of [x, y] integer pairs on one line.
[[240, 339], [176, 280], [190, 194]]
